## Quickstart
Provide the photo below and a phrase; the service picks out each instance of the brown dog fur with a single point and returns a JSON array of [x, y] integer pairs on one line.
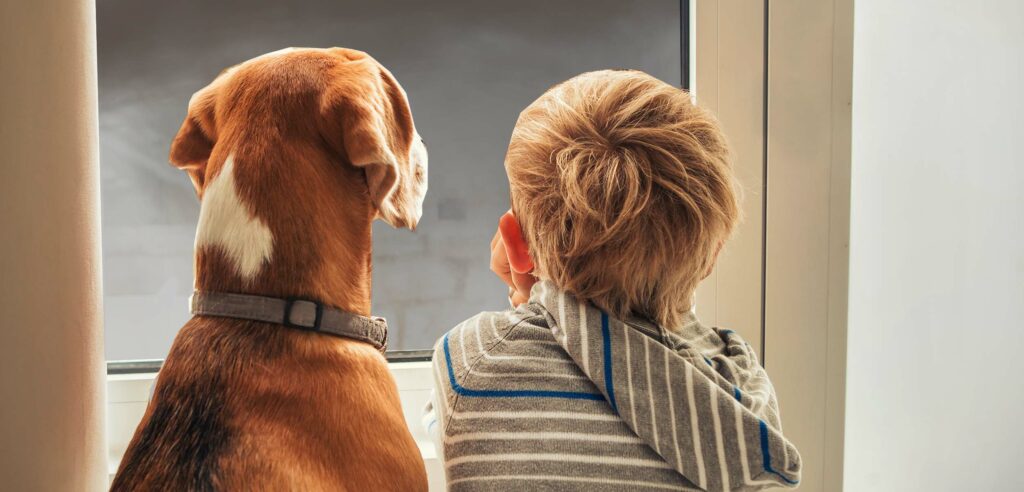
[[322, 144]]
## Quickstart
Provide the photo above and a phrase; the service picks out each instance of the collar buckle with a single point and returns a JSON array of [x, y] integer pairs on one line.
[[289, 307]]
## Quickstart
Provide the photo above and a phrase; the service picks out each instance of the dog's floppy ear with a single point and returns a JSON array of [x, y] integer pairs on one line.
[[191, 147], [366, 117]]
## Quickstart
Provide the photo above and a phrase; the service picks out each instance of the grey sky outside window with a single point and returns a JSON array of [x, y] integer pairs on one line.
[[468, 67]]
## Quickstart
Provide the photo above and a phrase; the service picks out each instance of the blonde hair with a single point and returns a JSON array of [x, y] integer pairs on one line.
[[624, 192]]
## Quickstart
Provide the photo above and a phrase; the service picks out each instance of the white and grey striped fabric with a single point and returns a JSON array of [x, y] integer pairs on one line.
[[557, 395]]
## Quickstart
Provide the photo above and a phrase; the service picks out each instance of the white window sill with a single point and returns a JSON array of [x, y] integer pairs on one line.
[[128, 394]]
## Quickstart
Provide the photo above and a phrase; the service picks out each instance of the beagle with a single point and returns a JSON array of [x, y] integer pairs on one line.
[[293, 155]]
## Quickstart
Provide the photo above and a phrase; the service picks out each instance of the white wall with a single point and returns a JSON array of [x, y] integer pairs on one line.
[[51, 334], [936, 326]]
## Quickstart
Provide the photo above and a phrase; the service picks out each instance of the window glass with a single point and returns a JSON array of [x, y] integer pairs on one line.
[[469, 67]]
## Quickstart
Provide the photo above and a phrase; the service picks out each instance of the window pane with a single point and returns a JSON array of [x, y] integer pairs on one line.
[[469, 68]]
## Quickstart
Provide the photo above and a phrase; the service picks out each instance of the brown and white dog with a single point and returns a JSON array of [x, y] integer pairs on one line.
[[293, 154]]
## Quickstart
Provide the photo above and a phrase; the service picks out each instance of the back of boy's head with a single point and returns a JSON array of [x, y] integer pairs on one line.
[[624, 192]]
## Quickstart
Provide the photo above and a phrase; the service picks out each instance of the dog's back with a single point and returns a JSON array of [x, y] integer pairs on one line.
[[185, 430], [230, 411]]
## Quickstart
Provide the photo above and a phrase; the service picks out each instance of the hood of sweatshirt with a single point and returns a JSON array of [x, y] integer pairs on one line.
[[696, 395]]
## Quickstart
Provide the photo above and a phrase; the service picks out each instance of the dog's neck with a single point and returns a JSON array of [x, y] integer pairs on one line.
[[286, 232]]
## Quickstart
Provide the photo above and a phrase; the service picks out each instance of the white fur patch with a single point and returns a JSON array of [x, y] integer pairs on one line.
[[227, 223], [418, 159]]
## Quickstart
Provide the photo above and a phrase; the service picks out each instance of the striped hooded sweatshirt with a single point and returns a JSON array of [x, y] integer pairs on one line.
[[557, 395]]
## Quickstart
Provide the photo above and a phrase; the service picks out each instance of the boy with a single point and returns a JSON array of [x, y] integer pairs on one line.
[[602, 378]]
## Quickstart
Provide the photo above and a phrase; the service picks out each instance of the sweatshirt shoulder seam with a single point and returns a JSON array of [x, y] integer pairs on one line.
[[468, 372]]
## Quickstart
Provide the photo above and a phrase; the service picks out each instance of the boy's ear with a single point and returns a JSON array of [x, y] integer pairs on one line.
[[515, 246]]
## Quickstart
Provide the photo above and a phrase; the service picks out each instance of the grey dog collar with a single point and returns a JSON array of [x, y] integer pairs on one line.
[[295, 313]]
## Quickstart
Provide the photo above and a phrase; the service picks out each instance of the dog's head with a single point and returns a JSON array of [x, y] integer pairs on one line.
[[340, 99]]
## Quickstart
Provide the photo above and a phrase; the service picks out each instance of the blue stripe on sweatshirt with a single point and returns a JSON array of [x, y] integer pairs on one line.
[[766, 454], [570, 395], [608, 384]]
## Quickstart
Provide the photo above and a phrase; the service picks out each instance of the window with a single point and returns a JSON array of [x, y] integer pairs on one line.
[[468, 67]]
